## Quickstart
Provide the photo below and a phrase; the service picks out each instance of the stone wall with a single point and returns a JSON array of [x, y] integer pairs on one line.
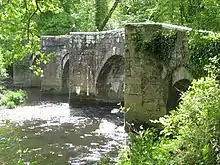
[[93, 56], [52, 78], [148, 79], [22, 75]]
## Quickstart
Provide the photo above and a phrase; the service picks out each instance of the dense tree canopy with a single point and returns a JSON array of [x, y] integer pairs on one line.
[[18, 29], [203, 14], [23, 21]]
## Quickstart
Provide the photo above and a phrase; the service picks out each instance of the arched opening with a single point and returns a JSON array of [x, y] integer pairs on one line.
[[110, 82], [65, 78], [175, 92], [34, 61], [64, 60]]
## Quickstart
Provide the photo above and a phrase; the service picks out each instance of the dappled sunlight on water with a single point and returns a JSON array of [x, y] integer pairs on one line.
[[56, 134]]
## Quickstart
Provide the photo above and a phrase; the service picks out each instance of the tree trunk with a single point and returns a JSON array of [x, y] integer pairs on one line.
[[109, 15]]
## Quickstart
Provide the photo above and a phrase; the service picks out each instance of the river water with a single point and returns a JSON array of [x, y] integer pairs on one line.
[[55, 134]]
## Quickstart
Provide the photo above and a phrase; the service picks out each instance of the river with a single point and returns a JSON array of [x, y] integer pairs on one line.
[[55, 134]]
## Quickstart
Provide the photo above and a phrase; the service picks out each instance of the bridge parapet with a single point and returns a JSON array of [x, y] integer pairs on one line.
[[89, 52], [153, 52]]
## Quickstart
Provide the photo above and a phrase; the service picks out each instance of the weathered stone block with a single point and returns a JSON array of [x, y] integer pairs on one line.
[[133, 99], [133, 80], [133, 89], [150, 106]]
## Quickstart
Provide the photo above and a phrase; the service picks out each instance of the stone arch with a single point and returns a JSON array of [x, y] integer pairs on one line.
[[181, 81], [65, 77], [65, 58], [113, 52], [110, 80], [179, 74]]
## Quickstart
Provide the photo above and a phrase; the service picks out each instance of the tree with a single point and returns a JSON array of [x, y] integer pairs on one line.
[[108, 16], [18, 30], [101, 12], [199, 14]]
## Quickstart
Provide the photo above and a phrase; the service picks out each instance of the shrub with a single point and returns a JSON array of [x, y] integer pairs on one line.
[[11, 104], [11, 99], [190, 134], [146, 148], [196, 124]]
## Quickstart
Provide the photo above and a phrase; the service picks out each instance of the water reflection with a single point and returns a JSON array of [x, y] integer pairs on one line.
[[56, 134]]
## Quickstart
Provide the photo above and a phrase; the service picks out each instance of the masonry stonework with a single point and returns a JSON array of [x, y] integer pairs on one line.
[[22, 75], [52, 78], [147, 79], [97, 65]]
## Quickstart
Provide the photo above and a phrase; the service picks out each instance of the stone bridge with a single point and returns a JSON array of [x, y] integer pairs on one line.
[[89, 64], [113, 66]]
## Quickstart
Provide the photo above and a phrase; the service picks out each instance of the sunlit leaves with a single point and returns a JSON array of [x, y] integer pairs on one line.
[[18, 30], [199, 14], [202, 48]]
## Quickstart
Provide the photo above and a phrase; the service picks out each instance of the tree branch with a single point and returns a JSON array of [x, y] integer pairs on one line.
[[28, 23], [26, 10], [109, 15], [38, 7]]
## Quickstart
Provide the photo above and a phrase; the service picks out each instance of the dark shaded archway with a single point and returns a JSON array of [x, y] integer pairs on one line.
[[110, 81], [65, 78], [175, 93]]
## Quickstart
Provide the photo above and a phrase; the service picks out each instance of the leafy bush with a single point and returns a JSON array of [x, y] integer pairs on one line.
[[11, 104], [202, 47], [11, 99], [55, 24], [190, 134], [146, 148]]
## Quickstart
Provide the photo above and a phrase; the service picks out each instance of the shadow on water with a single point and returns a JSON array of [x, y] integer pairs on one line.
[[56, 134]]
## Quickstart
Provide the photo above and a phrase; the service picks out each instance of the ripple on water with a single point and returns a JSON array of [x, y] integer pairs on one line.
[[63, 134]]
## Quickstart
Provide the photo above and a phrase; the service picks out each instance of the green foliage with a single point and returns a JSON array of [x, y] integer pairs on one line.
[[196, 123], [84, 15], [146, 148], [199, 14], [135, 11], [3, 73], [190, 134], [10, 104], [55, 24], [202, 47], [11, 99], [161, 44], [18, 30], [101, 12]]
